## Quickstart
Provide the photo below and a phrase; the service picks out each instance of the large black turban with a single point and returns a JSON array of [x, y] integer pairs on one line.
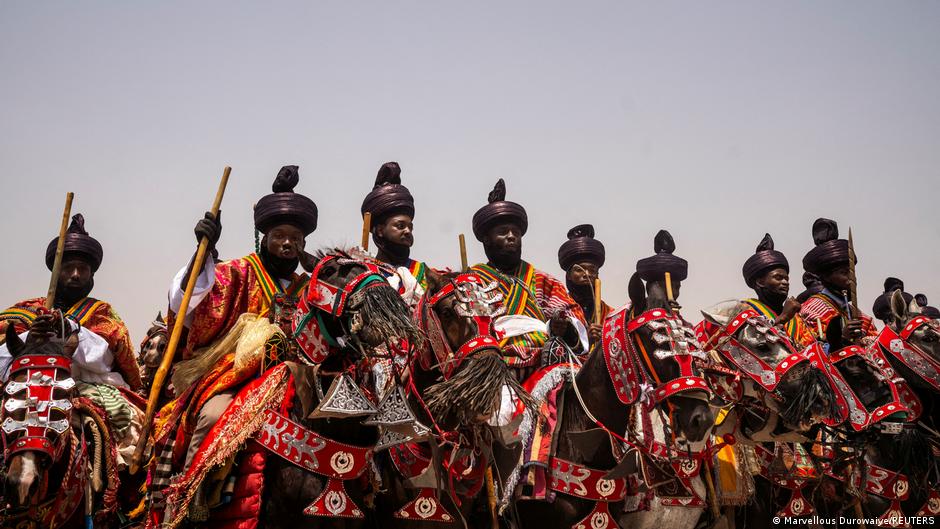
[[764, 259], [654, 268], [882, 306], [77, 243], [283, 206], [830, 251], [498, 211], [388, 197], [580, 247]]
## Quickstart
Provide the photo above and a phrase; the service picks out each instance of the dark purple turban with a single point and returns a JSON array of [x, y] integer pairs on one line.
[[882, 307], [830, 250], [283, 206], [498, 211], [764, 259], [654, 268], [78, 243], [388, 197], [580, 247]]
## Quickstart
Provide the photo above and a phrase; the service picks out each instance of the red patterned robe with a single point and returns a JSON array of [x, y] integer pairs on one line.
[[821, 309], [530, 292], [96, 316]]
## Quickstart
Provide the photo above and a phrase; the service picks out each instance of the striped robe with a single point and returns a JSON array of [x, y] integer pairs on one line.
[[797, 328], [529, 292], [95, 315], [822, 309]]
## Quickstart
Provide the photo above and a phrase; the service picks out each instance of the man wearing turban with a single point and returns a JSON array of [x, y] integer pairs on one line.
[[828, 309], [392, 210], [881, 308], [768, 273], [105, 353], [537, 306], [253, 285], [581, 257]]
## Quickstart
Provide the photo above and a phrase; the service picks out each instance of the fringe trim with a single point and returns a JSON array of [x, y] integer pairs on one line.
[[244, 422]]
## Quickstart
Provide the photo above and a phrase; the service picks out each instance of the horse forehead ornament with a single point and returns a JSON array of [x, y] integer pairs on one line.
[[35, 400]]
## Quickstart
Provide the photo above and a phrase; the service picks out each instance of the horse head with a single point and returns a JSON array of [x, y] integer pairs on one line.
[[912, 346], [460, 371], [668, 360], [772, 364], [151, 350], [37, 412]]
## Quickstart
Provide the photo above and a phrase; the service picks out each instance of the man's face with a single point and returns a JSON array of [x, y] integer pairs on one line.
[[777, 281], [397, 229], [285, 241], [75, 273], [837, 277], [504, 242], [583, 273]]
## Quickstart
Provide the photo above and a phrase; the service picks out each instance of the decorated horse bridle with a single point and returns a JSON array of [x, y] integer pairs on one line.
[[910, 355], [322, 298], [858, 415], [476, 300], [630, 365]]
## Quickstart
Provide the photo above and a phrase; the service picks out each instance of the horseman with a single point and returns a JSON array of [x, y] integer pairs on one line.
[[234, 301], [392, 209], [828, 311], [881, 308], [531, 298], [103, 362], [768, 273], [105, 353], [581, 257]]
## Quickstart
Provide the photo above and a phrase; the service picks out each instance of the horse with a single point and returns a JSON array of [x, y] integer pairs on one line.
[[611, 411], [455, 383], [151, 353], [60, 459], [901, 467], [302, 448]]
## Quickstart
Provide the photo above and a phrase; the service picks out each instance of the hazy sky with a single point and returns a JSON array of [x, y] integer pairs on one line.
[[719, 121]]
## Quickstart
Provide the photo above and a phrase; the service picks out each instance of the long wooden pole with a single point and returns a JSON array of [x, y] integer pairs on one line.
[[366, 228], [160, 376], [597, 300], [463, 253], [853, 283], [59, 250]]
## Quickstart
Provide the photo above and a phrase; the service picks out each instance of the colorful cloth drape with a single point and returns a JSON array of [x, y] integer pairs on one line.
[[95, 315], [529, 292], [821, 309]]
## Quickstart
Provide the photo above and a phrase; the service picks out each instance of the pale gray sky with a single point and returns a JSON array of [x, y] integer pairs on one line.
[[718, 121]]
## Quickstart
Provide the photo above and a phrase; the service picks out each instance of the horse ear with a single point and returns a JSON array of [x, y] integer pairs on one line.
[[899, 307], [14, 344], [437, 280], [637, 292], [914, 307], [160, 317], [308, 261]]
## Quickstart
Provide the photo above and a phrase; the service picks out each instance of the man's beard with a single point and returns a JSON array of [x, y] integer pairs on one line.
[[67, 296], [774, 299], [278, 266], [583, 294], [504, 259], [399, 253]]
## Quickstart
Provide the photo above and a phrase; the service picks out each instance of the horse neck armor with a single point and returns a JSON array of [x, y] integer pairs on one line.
[[579, 481], [910, 355]]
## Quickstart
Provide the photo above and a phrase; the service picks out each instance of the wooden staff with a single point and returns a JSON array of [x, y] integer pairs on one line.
[[366, 227], [170, 351], [491, 498], [59, 250], [597, 300], [853, 285], [463, 252], [669, 290]]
